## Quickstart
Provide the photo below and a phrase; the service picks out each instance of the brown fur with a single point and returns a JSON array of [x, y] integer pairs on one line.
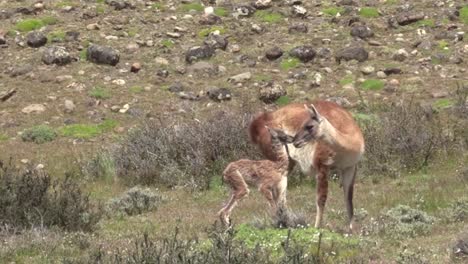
[[292, 118], [266, 175]]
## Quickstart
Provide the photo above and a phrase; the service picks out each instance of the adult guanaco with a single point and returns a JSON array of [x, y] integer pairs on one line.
[[325, 136], [270, 177]]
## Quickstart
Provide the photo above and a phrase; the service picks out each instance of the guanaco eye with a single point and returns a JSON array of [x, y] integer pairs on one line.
[[309, 127]]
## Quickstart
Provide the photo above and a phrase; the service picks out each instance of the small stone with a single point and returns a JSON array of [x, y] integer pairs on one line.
[[36, 39], [203, 68], [115, 108], [394, 82], [317, 79], [132, 47], [93, 26], [216, 41], [210, 20], [439, 94], [298, 28], [271, 92], [136, 67], [240, 77], [124, 109], [34, 108], [274, 53], [390, 71], [209, 10], [161, 61], [69, 106], [40, 166], [257, 29], [173, 34], [381, 75], [219, 94], [408, 18], [400, 55], [298, 11], [352, 53], [199, 52], [235, 48], [367, 69], [56, 55], [24, 161], [103, 55], [119, 82], [176, 87], [361, 31], [21, 70], [303, 53], [262, 4]]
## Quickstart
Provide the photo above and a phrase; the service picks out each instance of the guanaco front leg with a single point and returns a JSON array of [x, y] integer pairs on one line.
[[348, 177], [322, 193]]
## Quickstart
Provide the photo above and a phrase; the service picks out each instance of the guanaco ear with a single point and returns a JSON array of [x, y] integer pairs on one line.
[[313, 112], [283, 137]]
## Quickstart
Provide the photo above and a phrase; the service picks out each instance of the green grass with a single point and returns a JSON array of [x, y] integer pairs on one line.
[[205, 32], [85, 131], [158, 6], [219, 11], [56, 36], [39, 134], [425, 23], [83, 54], [31, 24], [3, 137], [369, 12], [100, 93], [136, 89], [333, 11], [348, 79], [289, 63], [443, 44], [100, 1], [268, 17], [132, 32], [167, 43], [372, 85], [191, 6], [283, 100], [443, 103], [100, 9], [464, 15]]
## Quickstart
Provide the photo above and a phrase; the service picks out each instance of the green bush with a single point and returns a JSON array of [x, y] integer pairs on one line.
[[39, 134], [31, 199], [403, 221], [135, 201]]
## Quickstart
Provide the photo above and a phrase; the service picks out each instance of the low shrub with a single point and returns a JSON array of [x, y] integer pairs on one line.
[[404, 138], [32, 199], [39, 134], [458, 211], [403, 221], [188, 154], [135, 201]]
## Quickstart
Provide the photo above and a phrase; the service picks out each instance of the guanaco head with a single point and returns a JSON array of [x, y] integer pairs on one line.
[[279, 136], [311, 129]]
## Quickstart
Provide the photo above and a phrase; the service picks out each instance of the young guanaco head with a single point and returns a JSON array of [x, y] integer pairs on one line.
[[311, 129]]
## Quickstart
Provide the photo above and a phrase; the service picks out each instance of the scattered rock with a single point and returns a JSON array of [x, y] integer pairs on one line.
[[298, 11], [439, 94], [342, 101], [69, 106], [244, 10], [400, 55], [240, 77], [34, 108], [381, 75], [324, 53], [271, 92], [124, 109], [4, 96], [367, 69], [303, 53], [361, 31], [460, 249], [176, 87], [219, 94], [274, 53], [210, 20], [103, 55], [352, 53], [203, 68], [408, 18], [136, 67], [215, 41], [390, 71], [262, 4], [298, 28], [199, 52], [56, 55], [36, 39], [189, 96]]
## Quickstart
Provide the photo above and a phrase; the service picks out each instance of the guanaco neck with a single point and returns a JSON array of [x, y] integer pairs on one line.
[[337, 140], [282, 153]]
